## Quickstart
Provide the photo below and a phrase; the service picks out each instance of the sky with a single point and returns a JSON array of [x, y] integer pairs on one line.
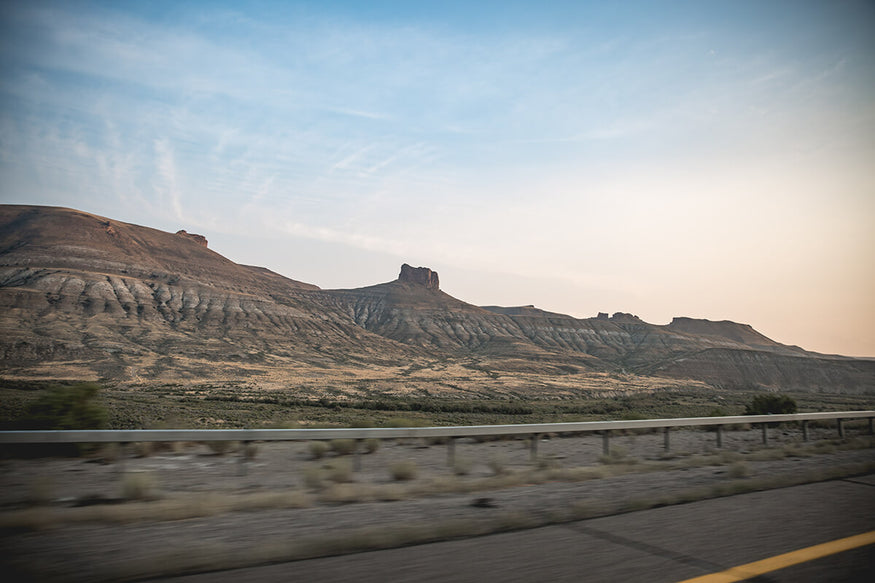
[[709, 159]]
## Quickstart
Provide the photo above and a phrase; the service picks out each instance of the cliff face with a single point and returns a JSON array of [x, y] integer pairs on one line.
[[121, 301], [112, 298], [419, 276]]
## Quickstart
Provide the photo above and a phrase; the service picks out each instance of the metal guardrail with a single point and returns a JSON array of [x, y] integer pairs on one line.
[[168, 435], [450, 433]]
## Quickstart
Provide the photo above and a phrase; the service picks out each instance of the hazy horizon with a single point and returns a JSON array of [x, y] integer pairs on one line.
[[664, 159]]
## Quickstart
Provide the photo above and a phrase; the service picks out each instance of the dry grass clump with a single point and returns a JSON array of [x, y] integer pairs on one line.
[[317, 449], [618, 455], [220, 447], [371, 444], [164, 509], [342, 446], [139, 485], [726, 457], [345, 493], [581, 474], [268, 500], [41, 492], [497, 465], [391, 493], [767, 455], [403, 471], [462, 466], [111, 452], [339, 470], [313, 478], [250, 450], [548, 463], [739, 469], [143, 448]]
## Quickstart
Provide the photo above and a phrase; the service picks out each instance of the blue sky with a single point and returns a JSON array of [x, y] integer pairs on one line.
[[707, 159]]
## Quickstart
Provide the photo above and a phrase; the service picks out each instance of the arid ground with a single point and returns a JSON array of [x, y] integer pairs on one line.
[[185, 509]]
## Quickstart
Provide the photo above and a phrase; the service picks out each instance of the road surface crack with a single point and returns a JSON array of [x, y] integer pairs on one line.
[[858, 482], [647, 548]]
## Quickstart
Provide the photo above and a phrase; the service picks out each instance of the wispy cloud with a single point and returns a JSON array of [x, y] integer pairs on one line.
[[166, 181]]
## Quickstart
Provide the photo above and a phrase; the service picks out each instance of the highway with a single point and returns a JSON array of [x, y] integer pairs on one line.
[[670, 544]]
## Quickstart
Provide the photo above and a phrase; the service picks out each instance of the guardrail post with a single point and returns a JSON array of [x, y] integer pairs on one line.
[[451, 451], [720, 436], [841, 428], [244, 454], [765, 434], [122, 448], [533, 446], [805, 430], [357, 456], [606, 442], [870, 427], [666, 431]]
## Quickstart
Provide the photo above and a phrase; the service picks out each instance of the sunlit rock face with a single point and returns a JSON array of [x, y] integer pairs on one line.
[[199, 239], [83, 296], [419, 275]]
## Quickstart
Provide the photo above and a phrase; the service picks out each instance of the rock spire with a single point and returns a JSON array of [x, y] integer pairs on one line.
[[419, 275]]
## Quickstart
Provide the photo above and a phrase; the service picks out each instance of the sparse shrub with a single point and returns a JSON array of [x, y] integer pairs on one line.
[[342, 446], [462, 466], [67, 407], [341, 494], [313, 477], [405, 470], [547, 463], [41, 492], [340, 470], [318, 449], [767, 455], [496, 464], [739, 470], [825, 446], [729, 456], [405, 422], [139, 485], [179, 447], [143, 448], [715, 412], [371, 445], [617, 455], [250, 450], [391, 493], [363, 422], [111, 452], [219, 447]]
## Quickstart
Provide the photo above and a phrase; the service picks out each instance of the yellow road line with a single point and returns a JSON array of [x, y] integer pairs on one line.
[[742, 572]]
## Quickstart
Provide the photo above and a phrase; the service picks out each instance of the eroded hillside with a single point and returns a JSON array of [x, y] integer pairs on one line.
[[83, 296]]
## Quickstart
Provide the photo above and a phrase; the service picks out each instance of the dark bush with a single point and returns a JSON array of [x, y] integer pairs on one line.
[[66, 407], [770, 405], [61, 407]]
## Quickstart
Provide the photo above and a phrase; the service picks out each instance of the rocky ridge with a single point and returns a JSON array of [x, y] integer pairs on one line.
[[90, 296]]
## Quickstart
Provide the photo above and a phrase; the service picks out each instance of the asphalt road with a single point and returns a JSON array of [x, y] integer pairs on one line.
[[669, 544]]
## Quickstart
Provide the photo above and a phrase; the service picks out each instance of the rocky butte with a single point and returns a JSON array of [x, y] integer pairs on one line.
[[419, 275]]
